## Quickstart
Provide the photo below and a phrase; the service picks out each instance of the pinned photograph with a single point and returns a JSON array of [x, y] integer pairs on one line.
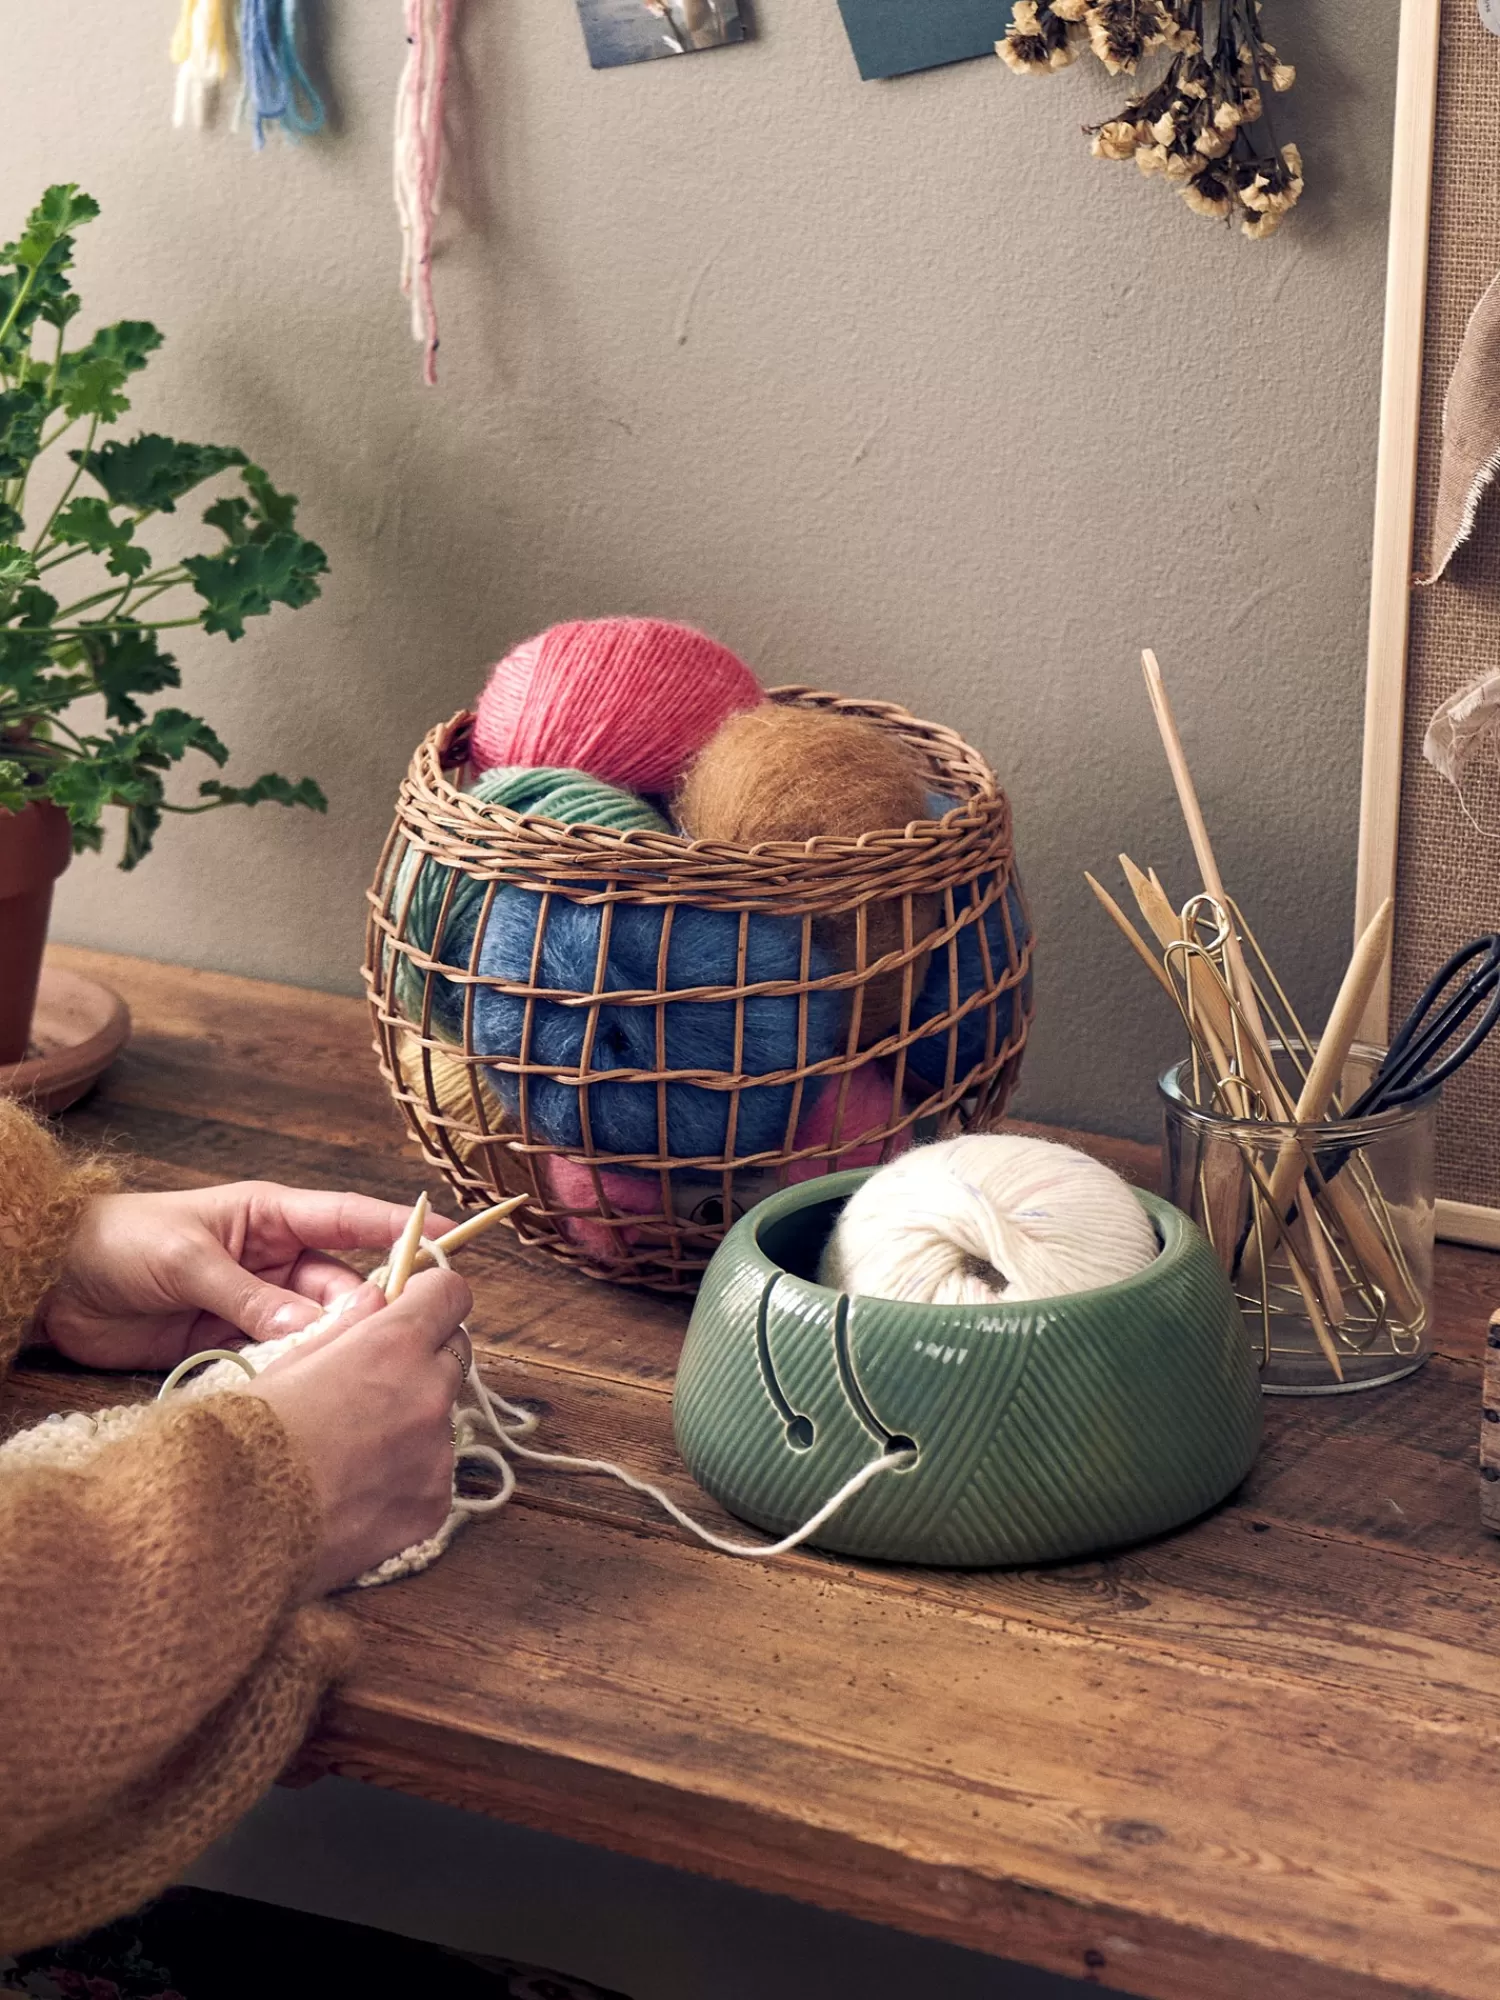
[[895, 37], [632, 31]]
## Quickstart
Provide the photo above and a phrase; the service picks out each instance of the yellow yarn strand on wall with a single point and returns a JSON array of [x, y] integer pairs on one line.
[[203, 50]]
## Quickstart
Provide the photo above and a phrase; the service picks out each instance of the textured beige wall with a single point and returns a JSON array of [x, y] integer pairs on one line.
[[889, 385]]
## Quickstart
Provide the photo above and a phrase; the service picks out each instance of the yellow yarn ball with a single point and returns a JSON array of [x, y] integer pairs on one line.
[[452, 1093]]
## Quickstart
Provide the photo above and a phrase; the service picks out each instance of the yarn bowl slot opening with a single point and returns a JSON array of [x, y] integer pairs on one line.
[[646, 1034], [1044, 1429]]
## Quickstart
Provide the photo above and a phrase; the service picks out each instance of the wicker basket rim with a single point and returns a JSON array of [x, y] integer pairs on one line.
[[431, 803]]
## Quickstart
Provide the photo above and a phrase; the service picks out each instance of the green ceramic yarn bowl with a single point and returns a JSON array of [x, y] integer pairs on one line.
[[1043, 1429]]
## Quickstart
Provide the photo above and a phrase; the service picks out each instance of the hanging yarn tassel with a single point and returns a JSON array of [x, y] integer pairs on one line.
[[277, 89], [418, 160], [202, 48]]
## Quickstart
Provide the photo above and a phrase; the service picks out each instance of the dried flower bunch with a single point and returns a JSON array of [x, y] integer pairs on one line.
[[1204, 127]]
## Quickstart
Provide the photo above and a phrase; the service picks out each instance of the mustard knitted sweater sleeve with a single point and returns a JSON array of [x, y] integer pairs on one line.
[[156, 1671]]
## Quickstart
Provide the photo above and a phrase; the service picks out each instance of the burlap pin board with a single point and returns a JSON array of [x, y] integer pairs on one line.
[[1446, 874]]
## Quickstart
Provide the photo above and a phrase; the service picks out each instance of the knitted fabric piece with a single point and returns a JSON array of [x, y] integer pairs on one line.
[[42, 1195], [71, 1443], [155, 1669]]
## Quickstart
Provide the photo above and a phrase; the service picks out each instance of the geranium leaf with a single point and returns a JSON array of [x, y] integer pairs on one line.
[[270, 786], [22, 412], [13, 793], [89, 524], [62, 208], [90, 379], [127, 663], [247, 578], [17, 566], [151, 472]]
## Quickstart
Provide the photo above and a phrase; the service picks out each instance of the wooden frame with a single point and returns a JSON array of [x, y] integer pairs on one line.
[[1395, 518]]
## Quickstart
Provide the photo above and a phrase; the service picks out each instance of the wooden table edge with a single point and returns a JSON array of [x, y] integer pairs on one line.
[[741, 1843]]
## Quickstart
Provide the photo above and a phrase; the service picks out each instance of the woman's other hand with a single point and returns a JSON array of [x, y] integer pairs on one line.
[[151, 1278], [368, 1404]]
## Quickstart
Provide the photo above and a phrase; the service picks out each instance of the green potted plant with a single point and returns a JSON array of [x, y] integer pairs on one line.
[[100, 642]]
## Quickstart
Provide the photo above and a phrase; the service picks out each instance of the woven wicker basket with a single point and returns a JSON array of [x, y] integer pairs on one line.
[[952, 880]]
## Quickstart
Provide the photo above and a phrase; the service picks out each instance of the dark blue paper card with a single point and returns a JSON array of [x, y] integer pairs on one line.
[[894, 37], [631, 31]]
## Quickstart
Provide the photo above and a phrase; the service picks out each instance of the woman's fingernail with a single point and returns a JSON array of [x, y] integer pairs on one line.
[[291, 1319]]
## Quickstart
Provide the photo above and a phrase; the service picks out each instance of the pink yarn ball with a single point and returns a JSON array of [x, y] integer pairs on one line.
[[629, 700], [867, 1107], [572, 1186]]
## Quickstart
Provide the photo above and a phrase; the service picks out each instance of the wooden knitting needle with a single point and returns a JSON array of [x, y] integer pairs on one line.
[[1166, 927], [1132, 936], [1217, 1059], [1223, 1198], [401, 1264], [1337, 1039], [1348, 1205], [1219, 1029], [1253, 1035], [476, 1225], [1333, 1049], [404, 1256], [1197, 826]]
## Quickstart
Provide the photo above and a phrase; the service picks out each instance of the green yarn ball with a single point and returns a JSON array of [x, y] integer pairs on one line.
[[572, 797]]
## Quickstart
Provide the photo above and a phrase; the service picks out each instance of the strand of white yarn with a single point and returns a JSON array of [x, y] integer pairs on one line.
[[202, 49], [488, 1431], [492, 1416], [487, 1415]]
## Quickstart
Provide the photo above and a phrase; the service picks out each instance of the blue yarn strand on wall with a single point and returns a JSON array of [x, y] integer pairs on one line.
[[278, 89], [698, 1034]]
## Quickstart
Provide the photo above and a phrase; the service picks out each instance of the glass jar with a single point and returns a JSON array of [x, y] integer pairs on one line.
[[1337, 1293]]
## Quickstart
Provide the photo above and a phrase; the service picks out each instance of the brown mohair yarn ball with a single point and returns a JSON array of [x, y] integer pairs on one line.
[[785, 773]]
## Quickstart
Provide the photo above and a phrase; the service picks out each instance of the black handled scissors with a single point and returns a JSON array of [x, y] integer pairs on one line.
[[1419, 1057]]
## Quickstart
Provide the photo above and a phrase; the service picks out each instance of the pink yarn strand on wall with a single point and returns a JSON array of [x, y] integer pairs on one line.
[[419, 160]]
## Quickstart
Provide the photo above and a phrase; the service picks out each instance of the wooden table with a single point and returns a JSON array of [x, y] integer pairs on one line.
[[1259, 1760]]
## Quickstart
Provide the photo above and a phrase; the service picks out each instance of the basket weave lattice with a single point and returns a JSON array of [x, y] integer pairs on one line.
[[952, 882]]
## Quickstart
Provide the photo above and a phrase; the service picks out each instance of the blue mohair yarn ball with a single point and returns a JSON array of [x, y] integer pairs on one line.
[[699, 1034], [927, 1058], [572, 797]]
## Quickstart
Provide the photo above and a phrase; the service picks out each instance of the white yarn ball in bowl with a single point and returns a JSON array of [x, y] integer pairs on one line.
[[985, 1217]]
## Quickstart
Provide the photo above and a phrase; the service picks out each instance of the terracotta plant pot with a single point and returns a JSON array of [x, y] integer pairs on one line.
[[35, 847]]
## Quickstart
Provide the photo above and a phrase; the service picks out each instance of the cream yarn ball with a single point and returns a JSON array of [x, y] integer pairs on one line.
[[985, 1217]]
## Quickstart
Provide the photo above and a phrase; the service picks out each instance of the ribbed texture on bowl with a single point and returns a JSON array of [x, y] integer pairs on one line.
[[1046, 1429]]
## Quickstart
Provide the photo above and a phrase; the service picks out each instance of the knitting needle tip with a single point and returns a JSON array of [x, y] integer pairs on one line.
[[404, 1256], [476, 1225]]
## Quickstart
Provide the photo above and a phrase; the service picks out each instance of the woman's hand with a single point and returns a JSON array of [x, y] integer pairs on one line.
[[151, 1278], [368, 1403]]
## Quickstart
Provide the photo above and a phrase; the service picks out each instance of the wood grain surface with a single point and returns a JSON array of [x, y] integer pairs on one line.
[[1258, 1760], [1489, 1431]]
